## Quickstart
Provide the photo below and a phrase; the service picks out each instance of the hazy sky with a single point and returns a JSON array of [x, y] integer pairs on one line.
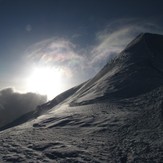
[[60, 43]]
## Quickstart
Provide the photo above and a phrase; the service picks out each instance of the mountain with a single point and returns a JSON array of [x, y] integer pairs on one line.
[[117, 116], [137, 70]]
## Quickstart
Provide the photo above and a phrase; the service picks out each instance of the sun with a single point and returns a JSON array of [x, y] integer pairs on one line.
[[45, 80]]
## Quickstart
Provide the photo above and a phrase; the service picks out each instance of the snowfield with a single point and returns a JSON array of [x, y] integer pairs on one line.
[[115, 117]]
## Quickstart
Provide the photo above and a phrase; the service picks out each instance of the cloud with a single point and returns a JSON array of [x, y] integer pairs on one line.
[[13, 104], [61, 54], [53, 51], [82, 64]]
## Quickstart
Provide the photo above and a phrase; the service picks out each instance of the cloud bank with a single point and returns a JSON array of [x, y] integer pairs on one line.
[[13, 104]]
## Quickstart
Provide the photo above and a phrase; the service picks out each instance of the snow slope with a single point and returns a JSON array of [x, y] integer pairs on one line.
[[115, 117]]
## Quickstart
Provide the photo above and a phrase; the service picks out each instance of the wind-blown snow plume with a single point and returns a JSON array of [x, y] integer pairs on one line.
[[114, 38]]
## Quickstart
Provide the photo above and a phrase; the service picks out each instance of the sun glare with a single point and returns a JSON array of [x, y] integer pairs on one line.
[[45, 80]]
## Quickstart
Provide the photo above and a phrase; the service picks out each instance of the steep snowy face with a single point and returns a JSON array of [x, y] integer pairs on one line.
[[137, 70]]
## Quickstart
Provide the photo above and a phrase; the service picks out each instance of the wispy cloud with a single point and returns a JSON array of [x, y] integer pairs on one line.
[[61, 54], [84, 63]]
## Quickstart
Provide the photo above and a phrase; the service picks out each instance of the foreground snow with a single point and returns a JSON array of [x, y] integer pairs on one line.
[[101, 132]]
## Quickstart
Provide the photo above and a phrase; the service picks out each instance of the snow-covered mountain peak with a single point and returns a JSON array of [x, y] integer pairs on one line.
[[136, 70], [146, 46], [152, 40]]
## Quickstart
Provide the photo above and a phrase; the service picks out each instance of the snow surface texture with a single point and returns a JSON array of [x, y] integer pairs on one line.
[[115, 117]]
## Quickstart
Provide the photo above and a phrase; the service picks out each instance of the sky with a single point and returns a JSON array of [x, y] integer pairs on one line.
[[48, 46]]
